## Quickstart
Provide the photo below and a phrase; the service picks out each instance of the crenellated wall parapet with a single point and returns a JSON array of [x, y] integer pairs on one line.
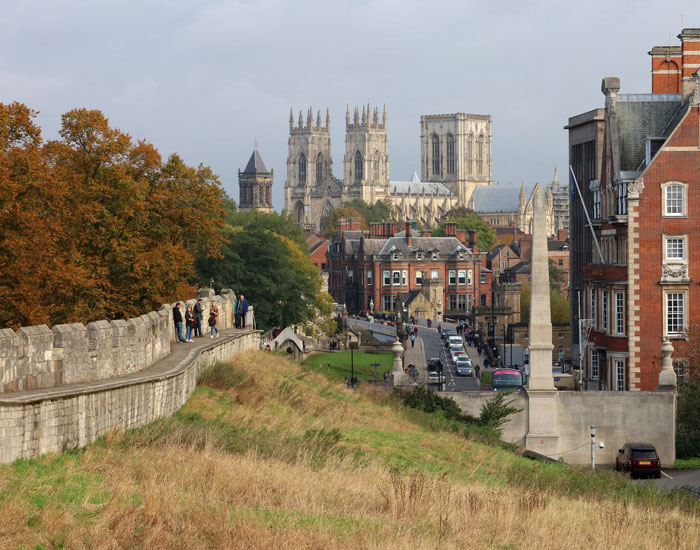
[[42, 357]]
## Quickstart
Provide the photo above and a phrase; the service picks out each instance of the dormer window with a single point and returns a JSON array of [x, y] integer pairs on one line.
[[419, 255], [435, 255], [461, 256], [396, 256]]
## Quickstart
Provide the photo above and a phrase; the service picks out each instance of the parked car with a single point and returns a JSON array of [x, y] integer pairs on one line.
[[455, 341], [464, 367], [456, 353], [639, 459], [446, 333]]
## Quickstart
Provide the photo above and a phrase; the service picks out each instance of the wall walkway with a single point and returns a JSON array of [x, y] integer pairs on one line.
[[55, 419]]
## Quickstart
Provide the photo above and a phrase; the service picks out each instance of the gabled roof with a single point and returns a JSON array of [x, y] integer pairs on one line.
[[491, 255], [640, 116], [417, 187], [255, 164]]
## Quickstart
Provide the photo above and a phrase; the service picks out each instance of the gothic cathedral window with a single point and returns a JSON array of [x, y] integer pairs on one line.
[[436, 155], [319, 168], [359, 167], [450, 154], [302, 169], [480, 156], [470, 153]]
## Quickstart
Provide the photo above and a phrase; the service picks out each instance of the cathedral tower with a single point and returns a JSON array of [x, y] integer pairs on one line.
[[255, 184], [366, 161], [456, 151], [309, 170]]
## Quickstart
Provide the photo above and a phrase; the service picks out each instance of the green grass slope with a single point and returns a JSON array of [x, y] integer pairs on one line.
[[271, 454]]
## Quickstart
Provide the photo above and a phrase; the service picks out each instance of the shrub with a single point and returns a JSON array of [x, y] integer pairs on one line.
[[496, 411]]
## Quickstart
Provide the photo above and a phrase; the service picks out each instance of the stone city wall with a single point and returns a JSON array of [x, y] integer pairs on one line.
[[43, 357], [74, 417], [619, 417]]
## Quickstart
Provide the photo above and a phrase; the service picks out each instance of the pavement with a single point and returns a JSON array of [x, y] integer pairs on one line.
[[163, 368], [671, 479], [416, 356]]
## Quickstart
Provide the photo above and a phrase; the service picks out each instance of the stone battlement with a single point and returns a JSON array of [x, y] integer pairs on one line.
[[42, 357]]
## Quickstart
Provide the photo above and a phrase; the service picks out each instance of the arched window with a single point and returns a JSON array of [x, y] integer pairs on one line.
[[319, 168], [375, 164], [326, 210], [436, 155], [450, 154], [359, 167], [302, 169], [470, 153], [480, 156], [299, 212]]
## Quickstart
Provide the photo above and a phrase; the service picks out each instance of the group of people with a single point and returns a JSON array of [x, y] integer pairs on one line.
[[194, 317]]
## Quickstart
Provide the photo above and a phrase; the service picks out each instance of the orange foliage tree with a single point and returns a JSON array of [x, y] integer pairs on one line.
[[95, 225]]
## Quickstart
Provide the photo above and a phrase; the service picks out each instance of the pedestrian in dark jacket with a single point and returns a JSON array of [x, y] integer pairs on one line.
[[190, 323], [241, 309], [199, 318], [177, 317]]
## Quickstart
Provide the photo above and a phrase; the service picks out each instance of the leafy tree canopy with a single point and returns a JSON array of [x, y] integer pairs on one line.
[[94, 224], [469, 220], [266, 258], [558, 304]]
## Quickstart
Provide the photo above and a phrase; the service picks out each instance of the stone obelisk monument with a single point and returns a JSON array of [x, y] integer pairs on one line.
[[542, 395]]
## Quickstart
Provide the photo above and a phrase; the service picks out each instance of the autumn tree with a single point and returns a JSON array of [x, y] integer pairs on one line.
[[329, 226], [96, 225]]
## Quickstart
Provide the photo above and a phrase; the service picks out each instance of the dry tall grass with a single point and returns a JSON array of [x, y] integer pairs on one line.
[[192, 494]]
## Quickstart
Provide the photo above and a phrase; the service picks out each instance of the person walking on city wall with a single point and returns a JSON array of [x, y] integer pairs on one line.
[[413, 339], [177, 317], [214, 320], [190, 323], [198, 318], [241, 311]]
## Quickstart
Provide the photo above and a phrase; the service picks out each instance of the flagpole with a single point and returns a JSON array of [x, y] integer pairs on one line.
[[585, 210]]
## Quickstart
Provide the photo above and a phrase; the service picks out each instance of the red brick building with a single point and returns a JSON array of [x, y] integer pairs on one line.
[[318, 246], [373, 269], [645, 210]]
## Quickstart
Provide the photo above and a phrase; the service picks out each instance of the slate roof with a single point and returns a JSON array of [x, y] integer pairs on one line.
[[498, 198], [491, 255], [553, 245], [520, 267], [640, 116], [255, 164]]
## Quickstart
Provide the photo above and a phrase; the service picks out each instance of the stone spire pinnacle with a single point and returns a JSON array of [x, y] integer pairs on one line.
[[309, 119], [328, 119], [356, 119], [384, 116], [318, 120], [347, 114], [291, 118], [301, 120], [363, 115], [555, 181]]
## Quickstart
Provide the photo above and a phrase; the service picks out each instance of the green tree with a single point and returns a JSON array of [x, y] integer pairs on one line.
[[266, 258], [558, 304], [495, 412], [469, 221], [378, 212], [329, 227]]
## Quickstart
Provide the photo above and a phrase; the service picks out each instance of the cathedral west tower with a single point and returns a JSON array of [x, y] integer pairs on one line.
[[366, 161]]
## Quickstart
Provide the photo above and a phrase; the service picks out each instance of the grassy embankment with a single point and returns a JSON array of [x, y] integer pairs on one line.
[[269, 454]]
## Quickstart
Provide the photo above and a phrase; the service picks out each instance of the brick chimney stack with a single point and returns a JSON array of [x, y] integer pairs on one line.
[[472, 240], [450, 229], [666, 62]]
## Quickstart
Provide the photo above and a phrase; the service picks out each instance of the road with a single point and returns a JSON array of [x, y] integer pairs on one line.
[[434, 348]]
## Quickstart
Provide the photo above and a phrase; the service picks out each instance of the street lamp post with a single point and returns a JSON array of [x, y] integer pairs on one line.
[[594, 444]]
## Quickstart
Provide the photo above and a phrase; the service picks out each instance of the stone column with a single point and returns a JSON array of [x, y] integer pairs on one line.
[[542, 395], [397, 370]]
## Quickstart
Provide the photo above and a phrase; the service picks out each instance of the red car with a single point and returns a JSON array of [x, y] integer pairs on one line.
[[639, 459]]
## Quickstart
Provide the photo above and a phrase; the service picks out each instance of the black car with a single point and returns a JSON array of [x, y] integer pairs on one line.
[[639, 459], [435, 364]]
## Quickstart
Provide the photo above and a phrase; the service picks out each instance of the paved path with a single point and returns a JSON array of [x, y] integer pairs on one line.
[[415, 355], [160, 369]]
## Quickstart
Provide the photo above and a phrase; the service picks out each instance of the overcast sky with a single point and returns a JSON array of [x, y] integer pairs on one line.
[[206, 78]]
